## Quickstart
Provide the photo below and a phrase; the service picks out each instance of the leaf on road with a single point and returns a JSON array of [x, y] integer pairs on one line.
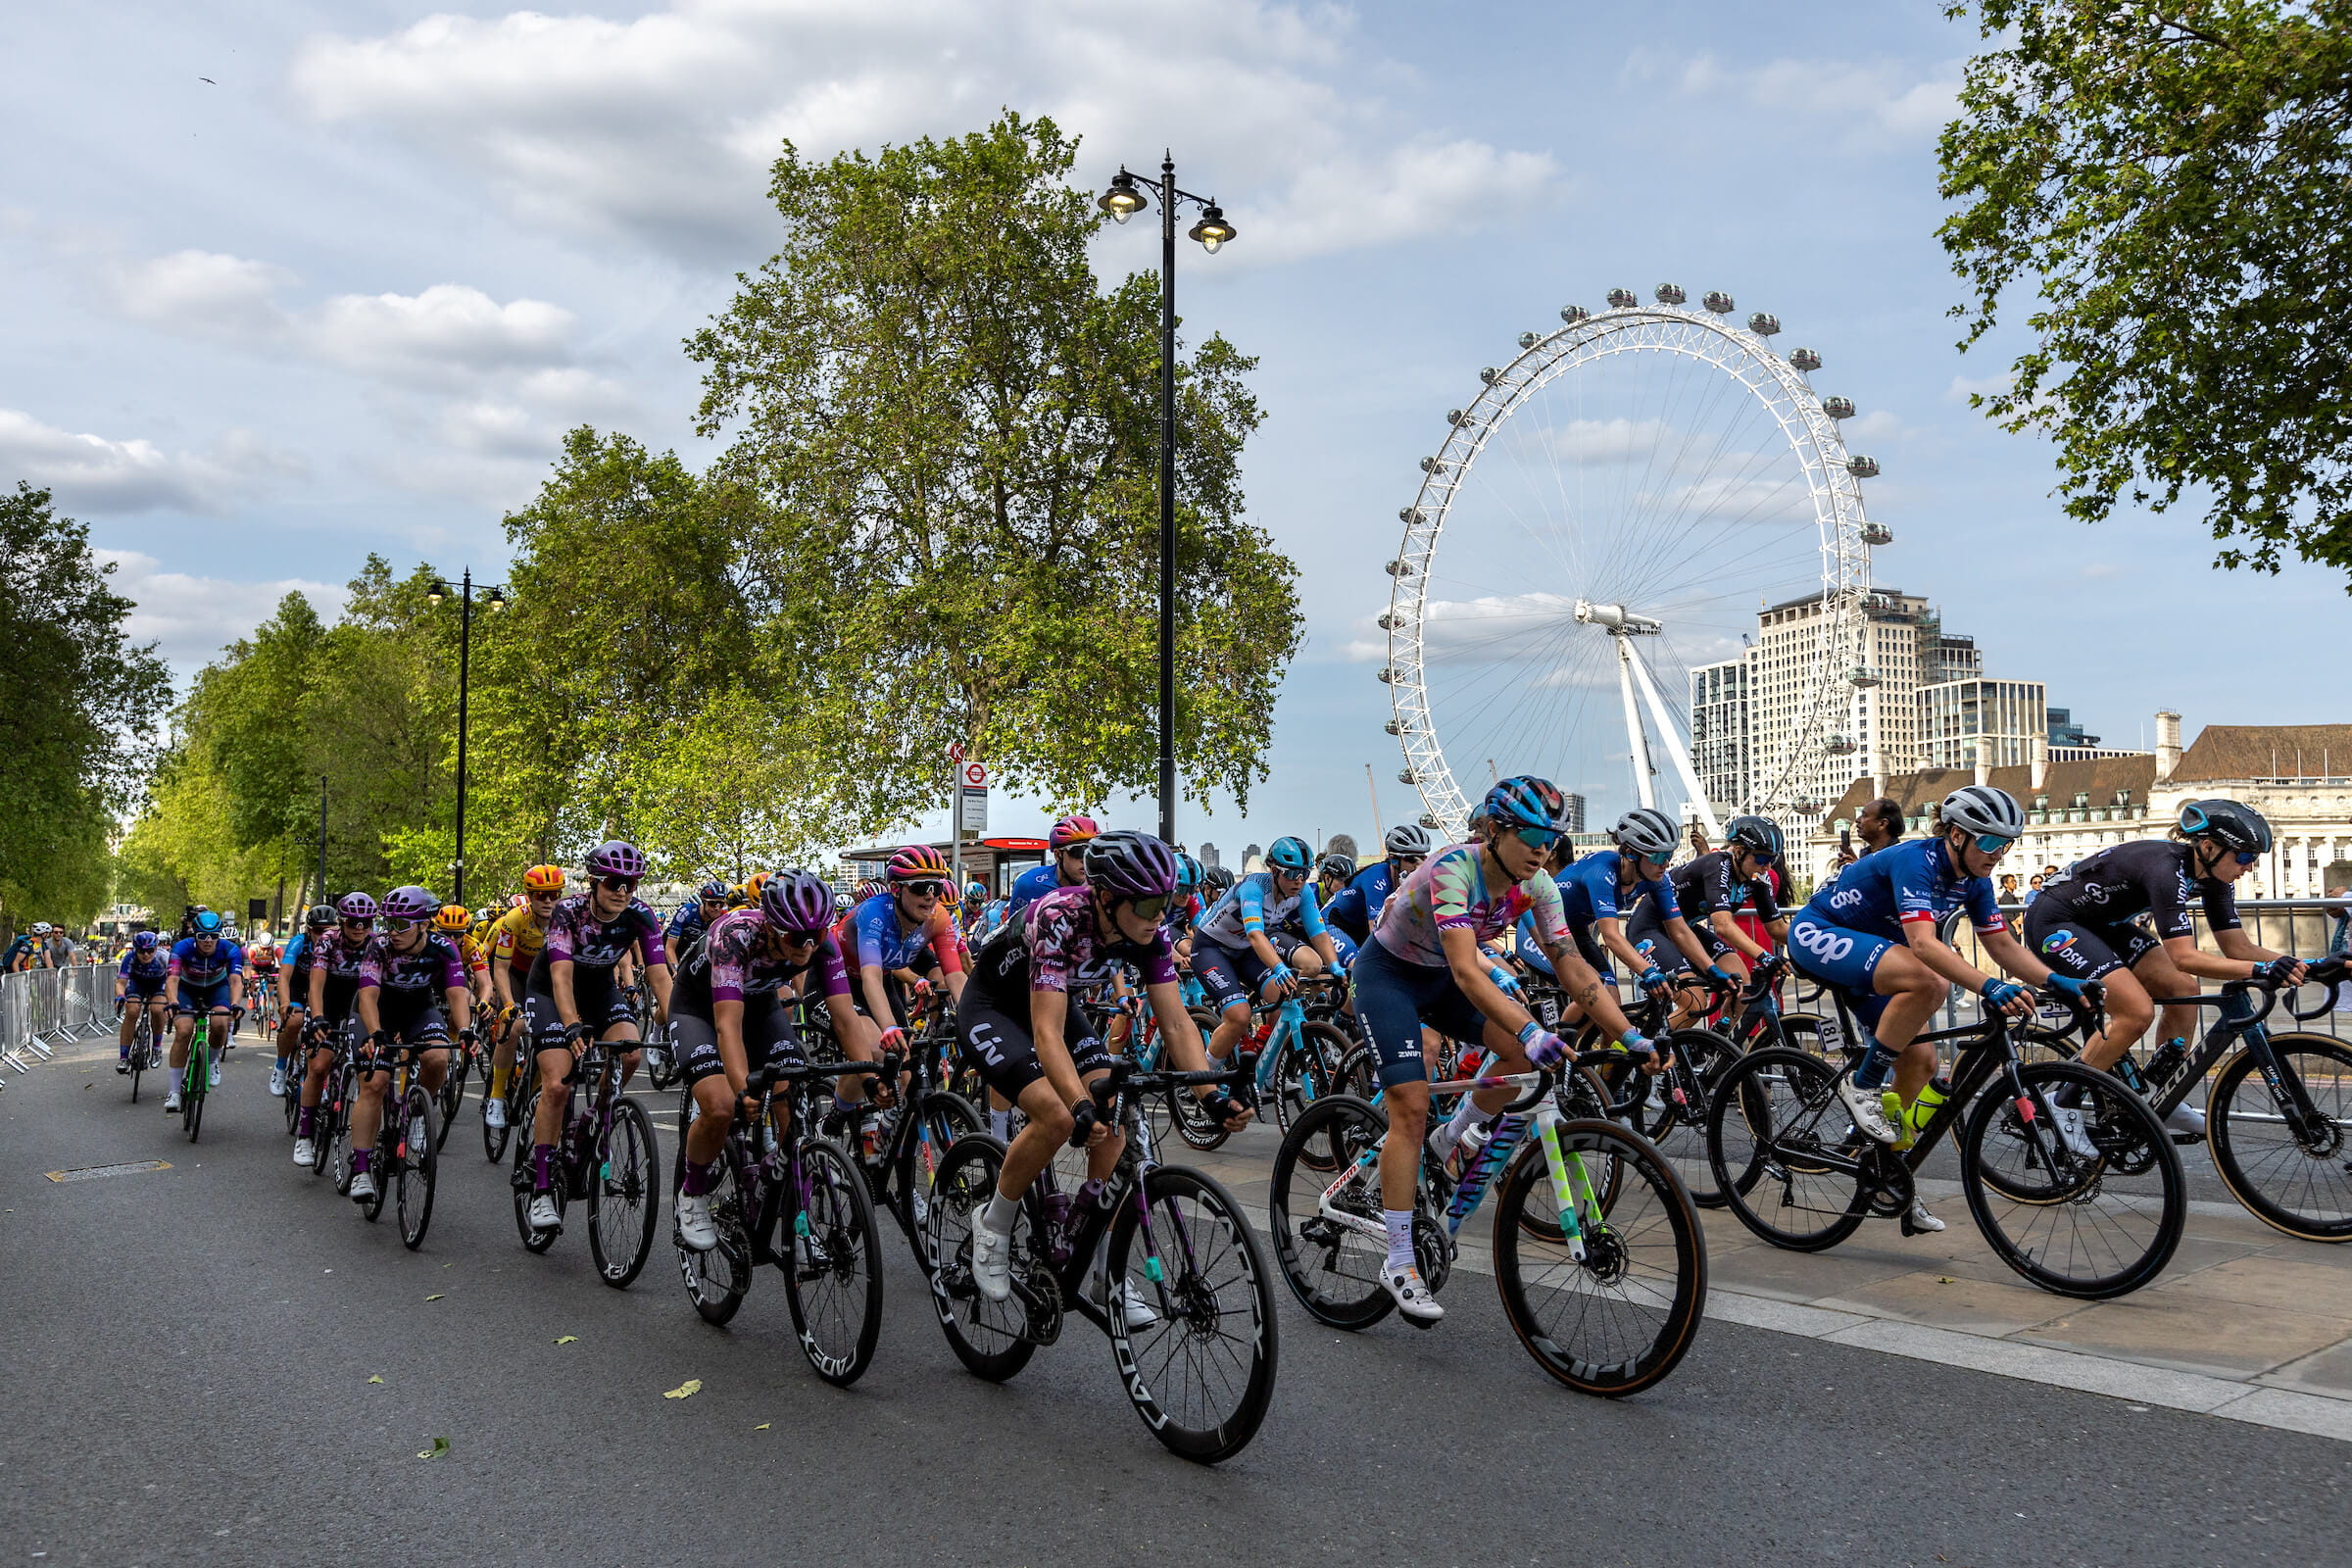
[[436, 1297], [1943, 1279], [764, 1426], [686, 1390], [567, 1339], [378, 1378], [440, 1446]]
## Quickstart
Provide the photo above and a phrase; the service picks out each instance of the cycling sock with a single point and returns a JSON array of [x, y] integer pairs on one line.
[[359, 1160], [543, 1155], [1876, 1063], [307, 1120], [1399, 1224], [843, 1108], [698, 1178], [1000, 1124], [1467, 1115], [498, 1081], [999, 1213]]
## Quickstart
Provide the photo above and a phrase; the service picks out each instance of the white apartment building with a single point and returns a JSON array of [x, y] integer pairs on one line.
[[1998, 721]]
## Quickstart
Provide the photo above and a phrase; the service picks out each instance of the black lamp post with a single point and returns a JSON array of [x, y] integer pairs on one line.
[[495, 598], [1123, 200]]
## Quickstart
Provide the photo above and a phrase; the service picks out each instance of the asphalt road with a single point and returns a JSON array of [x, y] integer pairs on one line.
[[186, 1361]]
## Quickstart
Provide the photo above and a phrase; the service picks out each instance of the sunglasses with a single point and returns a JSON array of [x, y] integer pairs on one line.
[[1537, 838], [537, 897], [355, 921], [1762, 857], [1994, 844], [2245, 856], [799, 939], [1151, 908], [618, 884], [925, 890], [394, 927]]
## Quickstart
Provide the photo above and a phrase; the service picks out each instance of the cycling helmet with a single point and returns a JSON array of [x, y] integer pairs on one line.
[[410, 902], [1983, 809], [1216, 880], [2238, 827], [1127, 865], [319, 916], [1407, 839], [454, 918], [356, 907], [544, 879], [1525, 800], [916, 862], [144, 941], [1337, 865], [616, 859], [1288, 853], [1072, 830], [208, 924], [1189, 872], [973, 891], [1646, 832], [712, 892], [42, 928], [867, 888], [1760, 834], [796, 901]]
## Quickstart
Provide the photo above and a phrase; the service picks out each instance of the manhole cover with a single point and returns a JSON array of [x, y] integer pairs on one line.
[[90, 1173]]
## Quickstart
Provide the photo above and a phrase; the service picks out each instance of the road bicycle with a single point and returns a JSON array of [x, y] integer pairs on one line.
[[660, 1059], [407, 1158], [902, 1159], [2093, 1215], [1597, 1250], [799, 1202], [195, 1078], [463, 1053], [517, 1100], [1164, 1245], [605, 1157], [146, 1048], [1294, 1060]]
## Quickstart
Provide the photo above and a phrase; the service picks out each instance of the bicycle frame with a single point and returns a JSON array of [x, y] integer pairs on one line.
[[2288, 1091]]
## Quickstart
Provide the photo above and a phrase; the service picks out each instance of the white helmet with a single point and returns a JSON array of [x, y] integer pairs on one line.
[[1983, 809], [1648, 833], [1410, 839]]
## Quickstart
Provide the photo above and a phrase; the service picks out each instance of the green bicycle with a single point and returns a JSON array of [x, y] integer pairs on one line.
[[195, 1079]]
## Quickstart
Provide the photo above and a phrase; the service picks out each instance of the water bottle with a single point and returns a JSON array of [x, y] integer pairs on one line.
[[1058, 1226], [2165, 1063], [1466, 1150]]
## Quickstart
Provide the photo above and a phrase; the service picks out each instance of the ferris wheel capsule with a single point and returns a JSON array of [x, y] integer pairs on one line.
[[1837, 407], [1805, 359], [1764, 324], [1671, 294], [1623, 299], [1718, 301], [1573, 314]]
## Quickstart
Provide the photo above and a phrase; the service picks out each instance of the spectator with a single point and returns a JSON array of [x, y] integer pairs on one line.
[[1879, 824], [25, 953], [2033, 891], [2009, 888]]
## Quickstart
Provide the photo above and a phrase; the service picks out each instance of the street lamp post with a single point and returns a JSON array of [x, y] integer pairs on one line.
[[495, 597], [1123, 200]]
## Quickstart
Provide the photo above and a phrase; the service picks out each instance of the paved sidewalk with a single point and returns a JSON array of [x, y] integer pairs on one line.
[[2245, 1323]]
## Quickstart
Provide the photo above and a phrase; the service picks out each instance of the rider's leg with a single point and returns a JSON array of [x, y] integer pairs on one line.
[[1913, 992], [367, 1113], [2129, 1011], [183, 1031], [1031, 1152]]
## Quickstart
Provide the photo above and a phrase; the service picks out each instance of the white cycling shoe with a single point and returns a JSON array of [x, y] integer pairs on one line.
[[1921, 1220], [305, 1153], [1137, 1313], [1867, 1110], [171, 1100], [2067, 1122], [494, 1113], [215, 1076], [1413, 1298], [2187, 1120], [363, 1187], [694, 1222], [278, 1081], [992, 1262], [543, 1215]]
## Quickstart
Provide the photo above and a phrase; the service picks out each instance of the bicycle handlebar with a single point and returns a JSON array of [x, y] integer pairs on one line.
[[2328, 972]]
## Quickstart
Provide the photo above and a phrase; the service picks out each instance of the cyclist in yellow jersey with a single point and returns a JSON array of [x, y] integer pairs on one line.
[[516, 938]]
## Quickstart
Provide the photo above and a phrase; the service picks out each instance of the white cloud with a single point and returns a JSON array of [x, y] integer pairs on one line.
[[448, 331], [195, 617], [95, 473], [1878, 100], [205, 294], [663, 126]]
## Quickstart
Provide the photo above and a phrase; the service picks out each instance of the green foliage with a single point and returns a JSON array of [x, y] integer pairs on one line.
[[2174, 182]]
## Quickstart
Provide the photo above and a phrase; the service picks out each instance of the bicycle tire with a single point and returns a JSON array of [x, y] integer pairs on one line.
[[660, 1064], [624, 1185], [194, 1084], [716, 1281], [833, 1241], [2241, 1114], [495, 1139], [328, 1127], [1306, 1070], [420, 1166], [985, 1335], [1769, 1104], [1209, 1290], [138, 1057], [1190, 1123], [373, 1208], [1333, 1269], [1622, 1239], [946, 1117], [2114, 1115], [520, 1180], [451, 1097], [293, 1098]]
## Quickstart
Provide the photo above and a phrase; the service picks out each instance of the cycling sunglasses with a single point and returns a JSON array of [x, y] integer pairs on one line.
[[932, 890], [1151, 908], [1762, 857], [1537, 838], [801, 939], [543, 893], [394, 927], [2245, 856], [1994, 844], [618, 884], [366, 924]]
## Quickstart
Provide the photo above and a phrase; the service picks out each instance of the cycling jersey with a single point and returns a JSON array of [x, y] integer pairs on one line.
[[262, 957], [421, 974], [1903, 884], [686, 925], [200, 969], [1057, 945], [1702, 886], [296, 956], [517, 938], [874, 937], [1591, 890], [1252, 907], [732, 964], [340, 960], [145, 976], [578, 936], [2148, 877], [1450, 891], [1358, 903], [1032, 885]]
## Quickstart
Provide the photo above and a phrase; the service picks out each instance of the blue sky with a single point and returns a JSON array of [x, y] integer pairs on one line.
[[345, 296]]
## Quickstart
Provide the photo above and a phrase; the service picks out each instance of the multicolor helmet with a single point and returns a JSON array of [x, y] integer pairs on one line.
[[452, 918], [796, 901], [410, 903], [544, 879], [1288, 853], [975, 892], [916, 862], [1525, 800], [616, 859], [2241, 827], [1072, 830], [1127, 865], [516, 901], [144, 941], [712, 892], [1189, 872], [356, 907]]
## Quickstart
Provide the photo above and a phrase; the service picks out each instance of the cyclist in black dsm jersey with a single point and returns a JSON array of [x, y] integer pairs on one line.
[[2088, 924], [1710, 891]]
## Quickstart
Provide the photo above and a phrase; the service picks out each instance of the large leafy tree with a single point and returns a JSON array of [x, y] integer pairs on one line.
[[949, 426], [2171, 184], [77, 704]]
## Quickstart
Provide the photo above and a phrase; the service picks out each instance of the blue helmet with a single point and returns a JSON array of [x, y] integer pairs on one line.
[[1188, 872], [208, 923], [144, 941], [1525, 801], [1291, 854]]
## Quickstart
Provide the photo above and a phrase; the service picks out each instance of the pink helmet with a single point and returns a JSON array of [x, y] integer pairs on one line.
[[1073, 829]]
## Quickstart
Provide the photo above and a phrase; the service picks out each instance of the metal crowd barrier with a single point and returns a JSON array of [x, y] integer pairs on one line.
[[42, 1009]]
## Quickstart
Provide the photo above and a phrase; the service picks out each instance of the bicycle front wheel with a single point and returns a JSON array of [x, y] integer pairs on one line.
[[2283, 1151], [1192, 1315], [1306, 1069], [990, 1338], [1323, 1210], [832, 1268], [416, 1148], [622, 1200], [451, 1096], [519, 1179], [945, 1117], [1615, 1320], [2091, 1227], [1784, 1152]]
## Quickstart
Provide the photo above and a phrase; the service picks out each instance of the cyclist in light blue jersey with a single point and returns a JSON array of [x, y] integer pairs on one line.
[[1234, 950], [1599, 891]]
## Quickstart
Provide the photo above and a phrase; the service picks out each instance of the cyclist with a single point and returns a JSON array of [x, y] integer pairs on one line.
[[333, 962], [453, 925], [693, 917], [1872, 935], [2087, 924], [1711, 888], [1033, 1046], [1425, 966], [889, 941], [261, 960], [139, 988], [516, 938], [728, 1011], [1065, 867], [1597, 890], [1233, 951], [1357, 905], [294, 994], [968, 915], [412, 987], [207, 974], [572, 995]]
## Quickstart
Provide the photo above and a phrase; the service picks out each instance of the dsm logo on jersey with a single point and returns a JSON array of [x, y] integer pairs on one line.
[[2057, 940]]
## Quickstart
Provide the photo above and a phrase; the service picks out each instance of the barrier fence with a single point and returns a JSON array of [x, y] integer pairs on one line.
[[42, 1009]]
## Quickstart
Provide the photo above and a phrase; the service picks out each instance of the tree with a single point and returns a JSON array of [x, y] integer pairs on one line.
[[2173, 182], [78, 702], [944, 430]]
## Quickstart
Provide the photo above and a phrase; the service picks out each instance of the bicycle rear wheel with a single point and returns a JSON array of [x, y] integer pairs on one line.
[[1617, 1321], [138, 1057], [622, 1200], [1306, 1069], [451, 1096], [946, 1117], [1783, 1151], [988, 1336], [832, 1266], [1669, 1108], [334, 1147], [2289, 1166], [1201, 1373], [494, 1138], [716, 1281], [2091, 1228], [1331, 1266], [417, 1148], [519, 1178]]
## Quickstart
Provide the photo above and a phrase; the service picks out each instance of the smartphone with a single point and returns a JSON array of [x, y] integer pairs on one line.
[[1846, 841]]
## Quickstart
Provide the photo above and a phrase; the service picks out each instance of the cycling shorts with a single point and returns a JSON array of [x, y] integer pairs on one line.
[[204, 998], [1393, 998], [894, 991], [600, 1005], [1228, 976], [1846, 960], [2086, 950], [340, 988], [1006, 1052], [414, 1027], [143, 991], [768, 1041]]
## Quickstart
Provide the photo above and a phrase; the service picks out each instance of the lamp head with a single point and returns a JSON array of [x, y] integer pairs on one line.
[[1212, 230], [1122, 200], [437, 592]]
